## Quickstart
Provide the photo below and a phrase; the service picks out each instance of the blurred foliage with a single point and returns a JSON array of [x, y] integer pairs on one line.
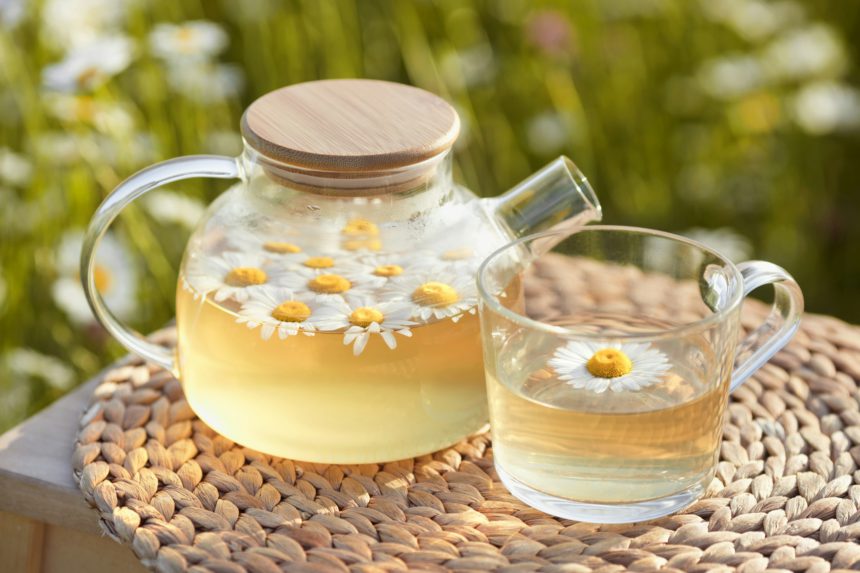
[[737, 115]]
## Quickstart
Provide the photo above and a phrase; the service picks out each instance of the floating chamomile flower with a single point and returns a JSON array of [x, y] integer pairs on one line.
[[276, 309], [230, 274], [324, 277], [320, 286], [363, 244], [278, 249], [378, 270], [360, 228], [436, 293], [362, 316], [617, 367]]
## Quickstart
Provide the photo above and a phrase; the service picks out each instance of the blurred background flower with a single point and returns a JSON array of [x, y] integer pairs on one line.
[[736, 122]]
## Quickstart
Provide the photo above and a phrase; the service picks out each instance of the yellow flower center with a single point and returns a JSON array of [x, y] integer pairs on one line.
[[435, 294], [357, 245], [457, 254], [609, 363], [365, 315], [245, 276], [329, 284], [104, 279], [319, 262], [361, 227], [185, 35], [87, 75], [281, 248], [388, 270], [291, 311]]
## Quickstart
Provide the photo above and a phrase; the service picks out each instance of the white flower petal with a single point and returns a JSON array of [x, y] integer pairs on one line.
[[360, 343], [388, 338]]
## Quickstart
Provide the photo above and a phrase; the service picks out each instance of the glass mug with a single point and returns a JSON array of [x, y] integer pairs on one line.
[[606, 403]]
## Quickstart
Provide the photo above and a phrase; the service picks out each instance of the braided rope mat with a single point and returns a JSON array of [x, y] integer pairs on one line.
[[785, 496]]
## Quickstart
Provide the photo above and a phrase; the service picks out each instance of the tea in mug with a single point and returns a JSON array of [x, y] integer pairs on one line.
[[596, 445]]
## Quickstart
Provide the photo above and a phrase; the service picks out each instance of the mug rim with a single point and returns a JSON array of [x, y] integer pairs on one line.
[[492, 301]]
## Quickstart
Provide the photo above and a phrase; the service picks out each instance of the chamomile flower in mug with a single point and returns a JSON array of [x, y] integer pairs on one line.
[[276, 309], [361, 316], [436, 293], [230, 275], [613, 366]]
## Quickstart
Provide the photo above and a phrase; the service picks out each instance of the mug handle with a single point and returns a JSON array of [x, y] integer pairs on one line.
[[189, 167], [780, 325]]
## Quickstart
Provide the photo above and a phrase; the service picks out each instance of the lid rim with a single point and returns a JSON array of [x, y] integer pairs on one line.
[[352, 159]]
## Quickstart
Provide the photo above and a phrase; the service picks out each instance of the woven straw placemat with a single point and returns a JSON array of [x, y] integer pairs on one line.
[[785, 496]]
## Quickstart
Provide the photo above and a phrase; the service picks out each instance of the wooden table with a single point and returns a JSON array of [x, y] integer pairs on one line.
[[45, 524]]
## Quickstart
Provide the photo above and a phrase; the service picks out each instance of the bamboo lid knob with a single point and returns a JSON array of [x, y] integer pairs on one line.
[[350, 125]]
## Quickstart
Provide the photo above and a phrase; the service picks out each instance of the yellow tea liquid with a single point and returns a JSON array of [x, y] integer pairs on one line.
[[310, 398]]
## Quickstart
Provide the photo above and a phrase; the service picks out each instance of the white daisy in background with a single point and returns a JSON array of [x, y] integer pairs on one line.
[[753, 20], [107, 117], [11, 13], [68, 147], [435, 293], [617, 367], [171, 207], [230, 275], [89, 66], [731, 77], [205, 82], [550, 132], [195, 39], [70, 24], [724, 240], [824, 107], [15, 169], [815, 50], [115, 274], [361, 316], [470, 67], [276, 309], [223, 142], [28, 363]]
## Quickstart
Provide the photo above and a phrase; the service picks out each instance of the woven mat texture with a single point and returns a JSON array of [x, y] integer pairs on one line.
[[785, 496]]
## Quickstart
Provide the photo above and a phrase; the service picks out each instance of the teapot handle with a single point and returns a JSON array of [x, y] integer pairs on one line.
[[189, 167]]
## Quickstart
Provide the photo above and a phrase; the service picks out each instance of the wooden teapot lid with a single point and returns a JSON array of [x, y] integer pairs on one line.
[[350, 126]]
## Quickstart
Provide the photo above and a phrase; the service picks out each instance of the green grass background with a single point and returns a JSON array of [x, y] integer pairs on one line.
[[659, 151]]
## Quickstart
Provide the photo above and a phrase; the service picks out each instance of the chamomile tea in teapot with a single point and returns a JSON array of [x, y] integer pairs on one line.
[[326, 303]]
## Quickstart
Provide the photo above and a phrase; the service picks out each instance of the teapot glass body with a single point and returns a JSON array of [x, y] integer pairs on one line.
[[336, 328], [331, 317]]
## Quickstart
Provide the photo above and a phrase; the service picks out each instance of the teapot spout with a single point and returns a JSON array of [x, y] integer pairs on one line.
[[558, 196]]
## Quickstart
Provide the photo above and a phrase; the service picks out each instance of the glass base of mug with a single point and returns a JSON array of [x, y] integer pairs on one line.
[[600, 512]]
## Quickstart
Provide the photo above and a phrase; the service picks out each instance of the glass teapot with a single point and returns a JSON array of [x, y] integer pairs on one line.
[[325, 306]]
